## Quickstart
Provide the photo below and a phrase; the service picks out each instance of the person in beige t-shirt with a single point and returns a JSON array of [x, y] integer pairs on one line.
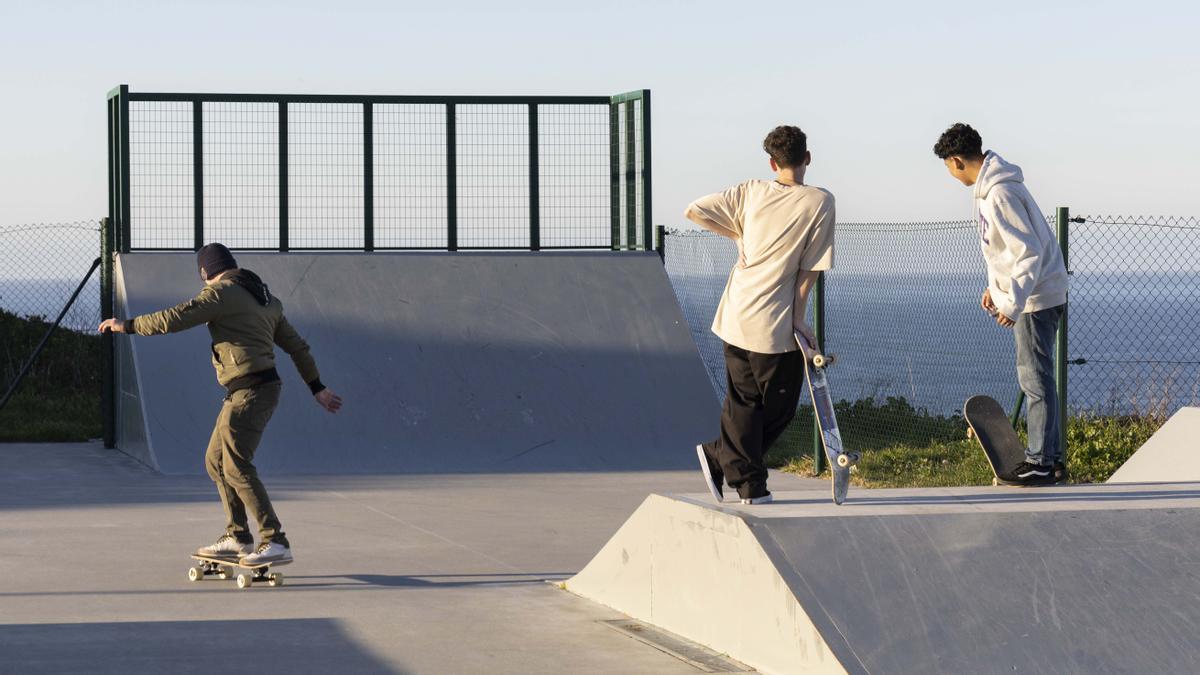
[[784, 234]]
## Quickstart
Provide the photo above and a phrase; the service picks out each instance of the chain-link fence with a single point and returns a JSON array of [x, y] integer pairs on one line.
[[902, 314], [42, 267], [1134, 324]]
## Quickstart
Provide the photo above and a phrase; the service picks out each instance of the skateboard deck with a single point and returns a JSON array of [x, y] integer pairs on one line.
[[993, 429], [226, 567], [831, 438]]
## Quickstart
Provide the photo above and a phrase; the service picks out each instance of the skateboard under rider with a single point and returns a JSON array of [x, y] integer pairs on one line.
[[840, 461], [224, 567], [994, 430]]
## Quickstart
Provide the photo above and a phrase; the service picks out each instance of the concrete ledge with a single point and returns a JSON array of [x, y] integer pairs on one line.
[[1078, 578], [701, 573]]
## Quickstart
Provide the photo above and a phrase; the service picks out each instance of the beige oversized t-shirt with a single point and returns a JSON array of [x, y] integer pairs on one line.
[[782, 229]]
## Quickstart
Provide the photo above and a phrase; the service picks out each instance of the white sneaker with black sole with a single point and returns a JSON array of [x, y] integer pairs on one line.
[[268, 552], [714, 486], [765, 499], [227, 547]]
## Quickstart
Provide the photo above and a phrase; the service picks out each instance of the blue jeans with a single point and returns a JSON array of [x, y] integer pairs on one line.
[[1035, 333]]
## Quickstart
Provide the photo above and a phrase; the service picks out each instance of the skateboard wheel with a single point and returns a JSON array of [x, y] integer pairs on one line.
[[195, 574], [843, 461], [244, 581], [275, 579], [819, 361], [970, 433]]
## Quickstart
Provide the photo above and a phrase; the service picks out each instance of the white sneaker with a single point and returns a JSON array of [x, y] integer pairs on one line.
[[227, 547], [268, 552], [765, 499]]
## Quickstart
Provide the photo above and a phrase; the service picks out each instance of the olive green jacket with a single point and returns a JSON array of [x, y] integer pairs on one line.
[[244, 331]]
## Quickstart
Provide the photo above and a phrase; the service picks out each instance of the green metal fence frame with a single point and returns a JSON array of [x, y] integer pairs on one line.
[[624, 176]]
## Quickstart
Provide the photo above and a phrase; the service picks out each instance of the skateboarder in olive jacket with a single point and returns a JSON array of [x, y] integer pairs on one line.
[[246, 322]]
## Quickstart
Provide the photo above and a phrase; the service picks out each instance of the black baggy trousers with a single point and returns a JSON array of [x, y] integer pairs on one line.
[[762, 393]]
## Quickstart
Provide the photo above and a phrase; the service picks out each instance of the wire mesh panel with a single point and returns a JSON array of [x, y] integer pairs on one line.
[[574, 189], [410, 176], [325, 172], [161, 170], [241, 174], [1134, 315], [629, 222], [493, 176]]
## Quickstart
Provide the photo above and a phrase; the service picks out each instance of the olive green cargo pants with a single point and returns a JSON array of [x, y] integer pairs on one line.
[[229, 460]]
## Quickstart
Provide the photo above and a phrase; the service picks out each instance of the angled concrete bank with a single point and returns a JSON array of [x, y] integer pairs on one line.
[[1097, 578], [1171, 454]]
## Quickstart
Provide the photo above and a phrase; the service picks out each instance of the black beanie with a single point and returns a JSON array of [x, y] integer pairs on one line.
[[214, 259]]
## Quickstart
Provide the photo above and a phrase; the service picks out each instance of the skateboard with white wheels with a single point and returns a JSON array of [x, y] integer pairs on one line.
[[987, 422], [223, 567], [840, 461]]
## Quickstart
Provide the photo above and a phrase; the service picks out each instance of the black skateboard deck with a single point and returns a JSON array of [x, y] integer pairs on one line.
[[993, 429], [224, 567]]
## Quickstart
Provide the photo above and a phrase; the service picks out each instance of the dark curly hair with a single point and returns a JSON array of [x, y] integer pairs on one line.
[[960, 140], [787, 146]]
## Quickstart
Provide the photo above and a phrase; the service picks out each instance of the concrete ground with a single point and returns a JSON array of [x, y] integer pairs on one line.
[[394, 574]]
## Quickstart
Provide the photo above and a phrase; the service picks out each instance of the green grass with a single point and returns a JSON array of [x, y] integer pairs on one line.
[[59, 400], [907, 447]]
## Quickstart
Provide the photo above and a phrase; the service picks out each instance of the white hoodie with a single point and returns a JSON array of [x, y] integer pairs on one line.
[[1024, 262]]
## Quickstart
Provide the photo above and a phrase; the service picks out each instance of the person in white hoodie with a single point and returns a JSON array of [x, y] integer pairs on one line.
[[1026, 291]]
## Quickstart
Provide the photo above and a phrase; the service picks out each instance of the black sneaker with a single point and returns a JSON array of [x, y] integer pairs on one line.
[[1060, 473], [1028, 473], [713, 476], [755, 493]]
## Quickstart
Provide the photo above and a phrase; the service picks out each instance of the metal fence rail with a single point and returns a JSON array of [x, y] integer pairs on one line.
[[293, 172]]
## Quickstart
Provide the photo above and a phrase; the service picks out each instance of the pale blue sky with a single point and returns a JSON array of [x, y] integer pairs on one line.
[[1098, 101]]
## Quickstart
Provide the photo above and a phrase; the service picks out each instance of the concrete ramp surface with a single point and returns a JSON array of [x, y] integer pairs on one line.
[[1171, 454], [1077, 579], [448, 363]]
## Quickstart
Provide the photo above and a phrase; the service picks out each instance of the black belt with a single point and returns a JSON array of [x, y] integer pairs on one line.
[[253, 380]]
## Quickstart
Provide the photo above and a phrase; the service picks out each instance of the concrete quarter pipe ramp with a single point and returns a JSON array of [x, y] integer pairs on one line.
[[449, 363], [1079, 579]]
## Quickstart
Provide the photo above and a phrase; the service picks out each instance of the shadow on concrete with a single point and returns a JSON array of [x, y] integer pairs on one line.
[[267, 646], [1029, 495], [426, 580]]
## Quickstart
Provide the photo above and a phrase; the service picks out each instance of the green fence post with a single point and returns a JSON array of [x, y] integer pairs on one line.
[[614, 172], [819, 331], [647, 207], [108, 383], [1060, 353], [1016, 413]]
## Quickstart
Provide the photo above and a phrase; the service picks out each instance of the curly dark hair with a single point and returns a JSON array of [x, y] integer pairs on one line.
[[960, 140], [787, 146]]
